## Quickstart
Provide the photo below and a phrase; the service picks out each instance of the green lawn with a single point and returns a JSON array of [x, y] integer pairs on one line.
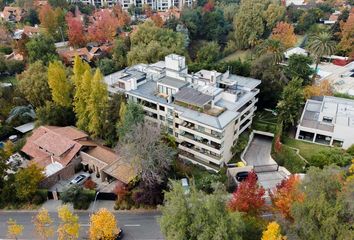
[[265, 121], [307, 149], [239, 54]]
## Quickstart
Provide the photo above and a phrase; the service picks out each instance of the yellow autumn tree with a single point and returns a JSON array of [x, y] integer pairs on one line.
[[324, 88], [284, 33], [43, 224], [69, 224], [13, 229], [273, 232], [103, 225]]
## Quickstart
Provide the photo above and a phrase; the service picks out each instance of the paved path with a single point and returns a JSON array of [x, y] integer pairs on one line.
[[259, 151], [142, 226]]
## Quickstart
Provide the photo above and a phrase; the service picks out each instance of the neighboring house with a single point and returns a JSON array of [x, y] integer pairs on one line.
[[88, 54], [327, 120], [206, 112], [60, 150], [170, 13], [13, 14], [27, 30], [295, 50], [332, 18]]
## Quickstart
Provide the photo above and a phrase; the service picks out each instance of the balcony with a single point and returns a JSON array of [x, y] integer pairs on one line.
[[192, 126], [190, 157], [202, 153]]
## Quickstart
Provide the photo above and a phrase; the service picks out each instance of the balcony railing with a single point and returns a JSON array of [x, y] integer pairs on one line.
[[185, 147], [194, 128], [187, 155], [202, 141]]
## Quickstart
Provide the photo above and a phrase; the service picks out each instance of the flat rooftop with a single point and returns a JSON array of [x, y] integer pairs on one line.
[[193, 97], [172, 82]]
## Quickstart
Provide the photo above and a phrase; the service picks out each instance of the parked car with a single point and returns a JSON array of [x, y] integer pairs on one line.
[[120, 234], [80, 179], [241, 176], [185, 185]]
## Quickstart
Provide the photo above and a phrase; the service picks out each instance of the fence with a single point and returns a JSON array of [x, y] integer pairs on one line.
[[266, 168]]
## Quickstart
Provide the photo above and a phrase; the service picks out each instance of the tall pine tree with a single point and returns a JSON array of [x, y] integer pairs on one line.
[[60, 85]]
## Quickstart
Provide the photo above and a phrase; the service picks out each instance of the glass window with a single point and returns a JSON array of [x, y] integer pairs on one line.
[[162, 108]]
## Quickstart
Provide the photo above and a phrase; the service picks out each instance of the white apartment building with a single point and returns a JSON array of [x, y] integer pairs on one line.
[[158, 5], [206, 111], [327, 120]]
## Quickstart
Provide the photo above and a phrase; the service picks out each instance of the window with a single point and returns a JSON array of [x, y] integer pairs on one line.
[[121, 85], [327, 119], [162, 108], [162, 118]]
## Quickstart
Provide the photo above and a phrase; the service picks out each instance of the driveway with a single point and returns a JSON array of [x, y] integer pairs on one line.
[[258, 153]]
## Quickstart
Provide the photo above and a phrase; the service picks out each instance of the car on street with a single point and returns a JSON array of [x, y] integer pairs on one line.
[[120, 234], [241, 176], [80, 179]]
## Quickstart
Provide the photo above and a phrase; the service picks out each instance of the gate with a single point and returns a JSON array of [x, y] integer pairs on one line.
[[266, 168]]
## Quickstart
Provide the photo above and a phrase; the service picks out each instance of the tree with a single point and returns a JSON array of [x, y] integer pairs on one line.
[[55, 115], [129, 116], [103, 225], [273, 14], [320, 45], [76, 33], [60, 85], [82, 81], [33, 84], [151, 43], [209, 52], [53, 21], [299, 67], [13, 229], [289, 106], [248, 23], [324, 214], [156, 18], [331, 156], [284, 32], [324, 88], [122, 15], [31, 17], [107, 66], [347, 32], [69, 226], [273, 232], [272, 47], [248, 197], [21, 114], [27, 181], [42, 48], [104, 28], [119, 53], [97, 104], [149, 156], [195, 215], [286, 193], [43, 224], [79, 197]]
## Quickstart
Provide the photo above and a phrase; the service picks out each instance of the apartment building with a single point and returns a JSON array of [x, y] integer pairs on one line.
[[327, 120], [158, 5], [205, 111]]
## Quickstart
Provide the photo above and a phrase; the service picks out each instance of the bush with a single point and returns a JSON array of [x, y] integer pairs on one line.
[[40, 197], [5, 49], [79, 197], [89, 184], [288, 158], [350, 150], [331, 156]]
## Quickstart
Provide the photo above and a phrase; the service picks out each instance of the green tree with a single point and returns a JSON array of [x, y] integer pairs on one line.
[[151, 44], [324, 213], [319, 45], [273, 14], [31, 17], [273, 47], [59, 84], [209, 52], [56, 115], [291, 102], [130, 115], [97, 104], [299, 67], [33, 84], [248, 22], [331, 156], [198, 216], [42, 48], [26, 182], [119, 53], [107, 66]]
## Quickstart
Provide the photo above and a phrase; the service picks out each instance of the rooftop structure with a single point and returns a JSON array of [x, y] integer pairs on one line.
[[328, 120], [206, 110]]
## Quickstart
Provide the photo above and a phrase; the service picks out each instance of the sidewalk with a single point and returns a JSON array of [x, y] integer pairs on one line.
[[53, 205]]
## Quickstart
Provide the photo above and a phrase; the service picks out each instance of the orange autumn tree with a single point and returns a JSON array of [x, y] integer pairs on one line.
[[285, 194], [347, 35], [104, 26], [248, 197], [324, 88], [157, 20], [122, 16], [76, 33], [284, 32]]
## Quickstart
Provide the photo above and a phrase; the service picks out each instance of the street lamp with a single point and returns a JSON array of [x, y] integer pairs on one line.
[[94, 203]]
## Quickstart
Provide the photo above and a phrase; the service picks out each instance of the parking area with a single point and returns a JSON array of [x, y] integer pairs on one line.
[[101, 186], [258, 153]]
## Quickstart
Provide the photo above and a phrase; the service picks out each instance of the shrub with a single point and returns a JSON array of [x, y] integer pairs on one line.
[[288, 158], [40, 196], [350, 150], [79, 197], [89, 184], [331, 156]]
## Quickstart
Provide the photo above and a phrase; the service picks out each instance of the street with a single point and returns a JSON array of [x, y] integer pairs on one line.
[[136, 226]]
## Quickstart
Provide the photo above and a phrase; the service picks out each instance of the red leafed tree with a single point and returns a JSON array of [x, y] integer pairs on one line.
[[209, 6], [121, 190], [286, 193], [157, 20], [104, 27], [121, 15], [76, 33], [248, 197]]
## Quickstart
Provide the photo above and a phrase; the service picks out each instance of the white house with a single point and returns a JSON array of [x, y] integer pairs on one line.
[[206, 111], [327, 120]]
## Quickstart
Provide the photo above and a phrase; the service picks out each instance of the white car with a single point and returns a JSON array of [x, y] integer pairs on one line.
[[80, 179]]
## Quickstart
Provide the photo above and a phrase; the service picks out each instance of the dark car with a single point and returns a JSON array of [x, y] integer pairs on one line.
[[241, 176], [120, 234]]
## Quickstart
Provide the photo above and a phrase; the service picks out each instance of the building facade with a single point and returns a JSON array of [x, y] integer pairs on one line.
[[327, 120], [157, 5], [206, 112]]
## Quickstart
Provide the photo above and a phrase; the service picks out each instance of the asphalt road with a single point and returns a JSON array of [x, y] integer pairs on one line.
[[136, 226]]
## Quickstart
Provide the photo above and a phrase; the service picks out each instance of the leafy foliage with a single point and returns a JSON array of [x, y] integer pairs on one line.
[[69, 225], [80, 197], [55, 115], [13, 229], [331, 156], [299, 67], [273, 232], [61, 87], [284, 32], [42, 48], [103, 225], [27, 181], [43, 224]]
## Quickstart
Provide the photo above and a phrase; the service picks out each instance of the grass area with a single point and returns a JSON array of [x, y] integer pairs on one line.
[[265, 121], [307, 149], [239, 54], [288, 158], [10, 79]]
